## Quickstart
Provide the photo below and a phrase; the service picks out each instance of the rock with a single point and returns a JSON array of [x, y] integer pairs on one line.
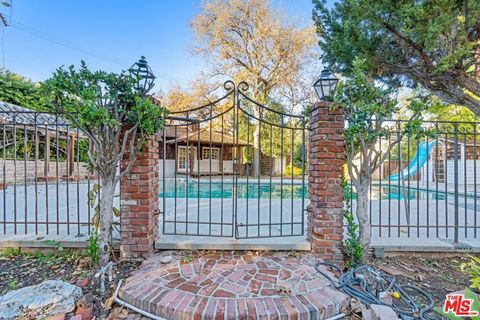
[[86, 313], [356, 306], [85, 301], [380, 312], [118, 313], [406, 267], [390, 271], [60, 316], [367, 315], [83, 263], [77, 317], [166, 259], [48, 298], [83, 283], [85, 307], [426, 269]]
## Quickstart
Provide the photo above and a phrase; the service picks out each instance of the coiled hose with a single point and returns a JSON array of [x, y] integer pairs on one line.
[[367, 285]]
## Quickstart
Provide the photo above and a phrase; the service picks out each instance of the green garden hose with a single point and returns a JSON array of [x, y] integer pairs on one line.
[[367, 285]]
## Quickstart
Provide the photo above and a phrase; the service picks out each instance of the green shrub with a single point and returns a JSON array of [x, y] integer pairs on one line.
[[287, 171], [11, 252], [92, 248], [472, 267], [352, 248]]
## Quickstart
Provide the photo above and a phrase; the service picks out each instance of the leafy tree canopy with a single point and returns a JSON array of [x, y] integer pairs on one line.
[[19, 90], [435, 43]]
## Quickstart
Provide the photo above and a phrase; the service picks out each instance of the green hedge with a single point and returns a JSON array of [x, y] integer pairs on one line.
[[287, 171]]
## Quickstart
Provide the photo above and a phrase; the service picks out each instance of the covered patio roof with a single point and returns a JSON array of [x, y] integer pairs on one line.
[[11, 114]]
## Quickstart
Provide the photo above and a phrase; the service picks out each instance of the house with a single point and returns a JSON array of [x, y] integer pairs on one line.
[[199, 151], [206, 151]]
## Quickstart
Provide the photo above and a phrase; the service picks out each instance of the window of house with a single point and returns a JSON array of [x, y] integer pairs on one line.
[[210, 153], [183, 158]]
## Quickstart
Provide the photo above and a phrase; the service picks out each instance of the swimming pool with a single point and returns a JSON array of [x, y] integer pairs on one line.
[[253, 190], [217, 190]]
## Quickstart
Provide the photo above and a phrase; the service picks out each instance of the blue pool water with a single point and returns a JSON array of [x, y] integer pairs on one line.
[[265, 190], [217, 190]]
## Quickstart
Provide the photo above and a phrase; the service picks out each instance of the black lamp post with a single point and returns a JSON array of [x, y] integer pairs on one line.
[[144, 75], [326, 85]]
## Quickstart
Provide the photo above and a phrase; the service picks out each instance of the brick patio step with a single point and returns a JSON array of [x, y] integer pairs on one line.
[[222, 285]]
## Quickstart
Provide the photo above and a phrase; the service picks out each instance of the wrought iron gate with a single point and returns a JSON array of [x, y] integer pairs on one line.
[[233, 168]]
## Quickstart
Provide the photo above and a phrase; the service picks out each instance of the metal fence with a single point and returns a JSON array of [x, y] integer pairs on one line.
[[44, 177], [233, 168], [427, 186], [425, 189]]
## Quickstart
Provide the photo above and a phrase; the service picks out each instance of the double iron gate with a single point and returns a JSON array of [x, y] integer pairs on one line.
[[233, 168]]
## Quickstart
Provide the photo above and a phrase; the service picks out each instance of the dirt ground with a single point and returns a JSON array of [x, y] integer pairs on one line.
[[21, 270], [438, 276]]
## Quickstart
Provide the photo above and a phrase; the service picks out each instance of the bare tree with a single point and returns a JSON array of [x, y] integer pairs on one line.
[[252, 41]]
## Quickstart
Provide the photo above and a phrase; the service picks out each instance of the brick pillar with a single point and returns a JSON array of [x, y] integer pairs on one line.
[[326, 157], [139, 203]]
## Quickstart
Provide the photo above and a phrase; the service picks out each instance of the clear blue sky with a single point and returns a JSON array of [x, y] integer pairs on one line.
[[109, 35]]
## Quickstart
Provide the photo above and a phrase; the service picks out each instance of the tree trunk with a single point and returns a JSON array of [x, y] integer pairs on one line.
[[260, 97], [256, 150], [363, 217], [476, 59], [106, 220]]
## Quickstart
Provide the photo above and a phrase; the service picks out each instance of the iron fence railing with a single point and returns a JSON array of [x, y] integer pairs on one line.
[[427, 185], [44, 177]]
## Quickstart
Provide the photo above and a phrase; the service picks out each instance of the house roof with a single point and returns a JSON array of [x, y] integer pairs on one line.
[[206, 136]]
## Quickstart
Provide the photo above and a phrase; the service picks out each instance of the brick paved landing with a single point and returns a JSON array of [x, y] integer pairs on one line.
[[223, 285]]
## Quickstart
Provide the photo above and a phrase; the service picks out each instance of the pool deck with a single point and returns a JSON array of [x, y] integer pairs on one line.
[[470, 190]]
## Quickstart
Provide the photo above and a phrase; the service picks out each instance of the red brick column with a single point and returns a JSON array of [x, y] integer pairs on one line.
[[326, 157], [139, 203]]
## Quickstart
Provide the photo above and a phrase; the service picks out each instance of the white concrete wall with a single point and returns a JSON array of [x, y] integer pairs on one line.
[[469, 177], [228, 166], [15, 170], [277, 165], [169, 168], [205, 166]]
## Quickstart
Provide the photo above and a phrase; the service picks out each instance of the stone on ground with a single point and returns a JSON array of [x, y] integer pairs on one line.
[[367, 315], [379, 312], [47, 298]]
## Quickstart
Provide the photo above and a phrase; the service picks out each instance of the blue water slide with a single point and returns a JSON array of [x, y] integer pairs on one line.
[[418, 161]]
